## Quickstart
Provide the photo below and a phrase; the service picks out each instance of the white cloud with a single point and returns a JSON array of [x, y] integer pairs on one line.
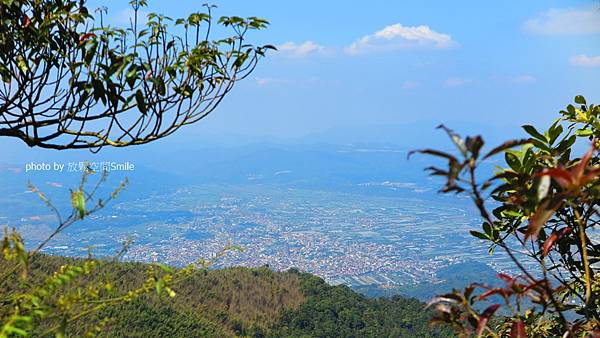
[[298, 50], [585, 61], [395, 37], [390, 38], [456, 82], [565, 22]]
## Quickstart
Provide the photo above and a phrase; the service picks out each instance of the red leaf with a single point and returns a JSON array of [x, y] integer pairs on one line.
[[86, 36], [506, 278], [537, 221], [485, 317], [536, 284], [560, 175], [593, 334], [518, 330], [488, 293], [504, 292], [578, 171], [26, 21], [553, 238], [576, 176]]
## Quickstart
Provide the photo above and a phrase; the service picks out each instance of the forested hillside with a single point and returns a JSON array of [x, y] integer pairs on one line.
[[245, 302]]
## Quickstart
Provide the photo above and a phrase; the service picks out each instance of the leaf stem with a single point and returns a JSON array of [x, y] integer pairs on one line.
[[584, 257]]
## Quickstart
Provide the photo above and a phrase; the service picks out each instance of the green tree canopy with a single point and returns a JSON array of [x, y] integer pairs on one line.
[[69, 80], [541, 209]]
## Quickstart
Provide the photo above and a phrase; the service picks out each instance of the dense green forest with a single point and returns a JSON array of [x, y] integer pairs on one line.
[[247, 302]]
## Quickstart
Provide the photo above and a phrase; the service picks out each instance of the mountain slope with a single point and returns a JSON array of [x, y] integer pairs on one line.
[[244, 302]]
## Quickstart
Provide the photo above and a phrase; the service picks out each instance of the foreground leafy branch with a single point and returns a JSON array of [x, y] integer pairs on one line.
[[84, 288], [541, 209], [68, 80]]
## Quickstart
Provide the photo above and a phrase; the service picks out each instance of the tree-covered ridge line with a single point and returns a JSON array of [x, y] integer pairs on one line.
[[239, 302]]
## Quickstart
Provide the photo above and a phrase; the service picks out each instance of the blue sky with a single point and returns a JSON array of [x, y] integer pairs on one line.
[[348, 66], [345, 64]]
